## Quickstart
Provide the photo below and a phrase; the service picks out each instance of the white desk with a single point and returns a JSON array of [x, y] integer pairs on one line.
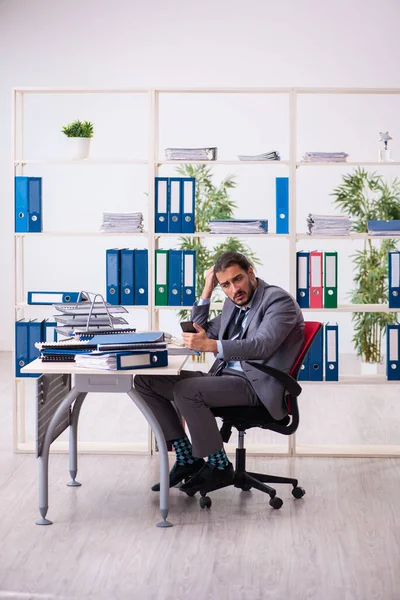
[[88, 380]]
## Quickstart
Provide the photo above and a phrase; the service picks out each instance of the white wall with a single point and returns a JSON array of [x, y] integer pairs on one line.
[[126, 44]]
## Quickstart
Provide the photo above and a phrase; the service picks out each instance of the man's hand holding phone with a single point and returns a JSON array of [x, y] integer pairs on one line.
[[195, 338]]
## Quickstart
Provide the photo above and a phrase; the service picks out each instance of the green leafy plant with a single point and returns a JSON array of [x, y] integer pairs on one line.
[[212, 202], [83, 129], [367, 196]]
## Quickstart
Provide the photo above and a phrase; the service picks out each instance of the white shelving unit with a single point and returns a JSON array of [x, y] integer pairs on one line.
[[153, 162]]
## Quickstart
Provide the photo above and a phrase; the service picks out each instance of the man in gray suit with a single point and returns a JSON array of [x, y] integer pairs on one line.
[[260, 323]]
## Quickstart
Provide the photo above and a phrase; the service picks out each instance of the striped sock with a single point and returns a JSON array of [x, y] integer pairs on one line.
[[183, 451], [219, 459]]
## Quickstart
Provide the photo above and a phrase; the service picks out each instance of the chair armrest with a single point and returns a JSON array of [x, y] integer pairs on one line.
[[290, 384]]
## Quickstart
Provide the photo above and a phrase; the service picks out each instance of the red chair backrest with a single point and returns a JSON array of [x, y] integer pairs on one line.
[[310, 331]]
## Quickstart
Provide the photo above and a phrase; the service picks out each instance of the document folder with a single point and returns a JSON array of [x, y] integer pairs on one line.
[[28, 204], [120, 361], [304, 373], [36, 335], [282, 204], [315, 279], [161, 295], [394, 279], [21, 347], [316, 358], [53, 297], [141, 277], [174, 206], [127, 289], [330, 280], [189, 277], [161, 201], [113, 266], [331, 352], [392, 352], [303, 279], [175, 278], [188, 201]]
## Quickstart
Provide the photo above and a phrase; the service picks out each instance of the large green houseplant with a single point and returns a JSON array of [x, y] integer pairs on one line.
[[367, 196], [212, 202]]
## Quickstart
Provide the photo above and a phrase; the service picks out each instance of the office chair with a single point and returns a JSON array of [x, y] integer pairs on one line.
[[243, 418]]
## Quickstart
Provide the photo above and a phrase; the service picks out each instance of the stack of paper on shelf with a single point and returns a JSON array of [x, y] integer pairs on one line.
[[238, 226], [124, 222], [331, 157], [328, 224], [273, 155], [191, 153], [388, 228]]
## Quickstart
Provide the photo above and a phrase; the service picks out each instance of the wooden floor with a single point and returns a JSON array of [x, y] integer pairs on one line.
[[340, 542]]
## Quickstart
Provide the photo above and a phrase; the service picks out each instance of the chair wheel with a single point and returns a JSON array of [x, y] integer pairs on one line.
[[298, 492], [205, 502], [246, 487], [276, 502]]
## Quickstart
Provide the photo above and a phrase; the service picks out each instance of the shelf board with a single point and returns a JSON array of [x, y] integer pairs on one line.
[[78, 234], [347, 164], [383, 308], [221, 162], [213, 306], [204, 234], [351, 236], [86, 161]]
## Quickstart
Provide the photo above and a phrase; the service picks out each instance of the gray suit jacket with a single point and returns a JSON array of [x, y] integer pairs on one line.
[[273, 335]]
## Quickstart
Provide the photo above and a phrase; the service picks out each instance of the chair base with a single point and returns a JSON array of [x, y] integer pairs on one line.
[[247, 480]]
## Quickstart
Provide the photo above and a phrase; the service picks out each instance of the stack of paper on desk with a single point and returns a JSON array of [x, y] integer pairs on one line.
[[73, 318], [118, 361]]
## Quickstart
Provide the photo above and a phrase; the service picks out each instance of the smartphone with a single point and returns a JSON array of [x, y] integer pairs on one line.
[[187, 327]]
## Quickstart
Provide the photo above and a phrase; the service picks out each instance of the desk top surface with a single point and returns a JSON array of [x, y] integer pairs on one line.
[[175, 364]]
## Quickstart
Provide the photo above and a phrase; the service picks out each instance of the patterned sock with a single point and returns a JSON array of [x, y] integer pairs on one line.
[[183, 451], [219, 459]]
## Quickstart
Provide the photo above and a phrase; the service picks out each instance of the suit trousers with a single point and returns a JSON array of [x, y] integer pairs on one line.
[[193, 394]]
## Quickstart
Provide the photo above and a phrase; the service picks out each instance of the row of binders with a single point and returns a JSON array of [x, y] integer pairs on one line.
[[127, 276], [27, 334], [28, 204], [175, 277], [175, 204], [316, 283], [323, 355]]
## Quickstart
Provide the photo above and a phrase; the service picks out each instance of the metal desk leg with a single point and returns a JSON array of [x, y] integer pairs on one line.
[[162, 448], [73, 440], [44, 456]]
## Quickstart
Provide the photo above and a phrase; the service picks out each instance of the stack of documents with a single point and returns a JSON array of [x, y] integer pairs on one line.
[[273, 155], [388, 228], [238, 226], [118, 361], [191, 153], [328, 224], [331, 157], [125, 222], [87, 317]]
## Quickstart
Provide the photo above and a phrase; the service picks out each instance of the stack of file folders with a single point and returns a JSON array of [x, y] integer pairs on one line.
[[331, 157], [191, 153], [238, 226], [87, 317], [122, 222], [273, 155], [111, 352], [323, 355], [384, 228], [328, 224]]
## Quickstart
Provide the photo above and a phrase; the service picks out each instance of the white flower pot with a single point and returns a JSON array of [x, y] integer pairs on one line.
[[78, 148], [369, 368]]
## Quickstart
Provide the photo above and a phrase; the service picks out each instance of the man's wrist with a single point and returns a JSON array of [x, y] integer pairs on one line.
[[212, 346]]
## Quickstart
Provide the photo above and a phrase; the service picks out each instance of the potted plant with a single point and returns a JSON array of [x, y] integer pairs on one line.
[[79, 134], [367, 196], [212, 202]]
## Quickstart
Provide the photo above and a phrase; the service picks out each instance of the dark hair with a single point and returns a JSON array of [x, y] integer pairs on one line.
[[227, 259]]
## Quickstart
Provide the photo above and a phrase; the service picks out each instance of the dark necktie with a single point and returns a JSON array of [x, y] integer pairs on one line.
[[234, 330]]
